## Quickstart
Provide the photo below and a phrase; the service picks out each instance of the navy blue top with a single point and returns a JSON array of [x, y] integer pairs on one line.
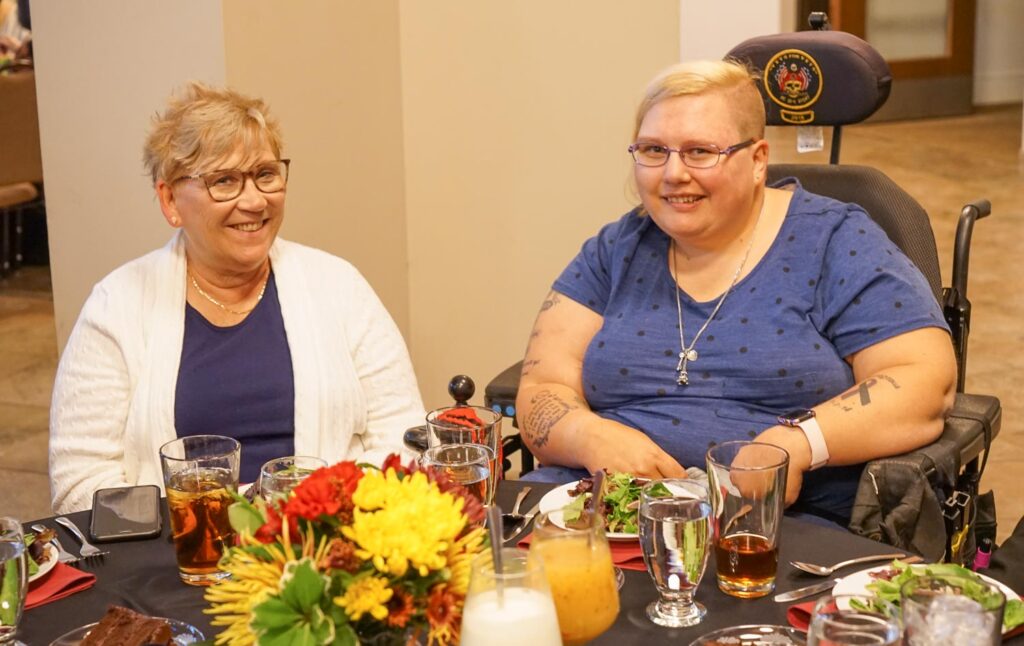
[[832, 283], [237, 381]]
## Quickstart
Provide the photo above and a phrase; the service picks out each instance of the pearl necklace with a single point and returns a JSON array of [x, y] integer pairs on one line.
[[688, 353], [224, 307]]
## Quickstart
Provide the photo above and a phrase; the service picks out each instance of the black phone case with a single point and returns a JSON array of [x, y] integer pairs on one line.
[[100, 535]]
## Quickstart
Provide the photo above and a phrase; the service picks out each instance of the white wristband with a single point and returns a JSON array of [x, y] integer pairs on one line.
[[819, 450]]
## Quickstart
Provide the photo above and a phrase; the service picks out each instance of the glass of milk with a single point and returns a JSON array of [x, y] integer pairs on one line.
[[511, 605]]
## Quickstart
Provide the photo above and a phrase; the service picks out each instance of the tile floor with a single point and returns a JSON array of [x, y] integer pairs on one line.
[[941, 162]]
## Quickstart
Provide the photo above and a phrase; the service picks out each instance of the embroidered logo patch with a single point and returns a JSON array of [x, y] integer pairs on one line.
[[793, 80]]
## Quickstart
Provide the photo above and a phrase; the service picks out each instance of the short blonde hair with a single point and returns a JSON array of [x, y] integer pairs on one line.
[[700, 77], [203, 124]]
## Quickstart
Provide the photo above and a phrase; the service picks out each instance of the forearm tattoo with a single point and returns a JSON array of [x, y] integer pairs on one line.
[[860, 395], [546, 410], [528, 366]]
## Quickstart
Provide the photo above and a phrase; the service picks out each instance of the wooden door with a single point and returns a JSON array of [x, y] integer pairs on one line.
[[929, 45]]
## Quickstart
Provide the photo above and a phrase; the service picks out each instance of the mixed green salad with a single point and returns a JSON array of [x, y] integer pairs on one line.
[[888, 588], [620, 504]]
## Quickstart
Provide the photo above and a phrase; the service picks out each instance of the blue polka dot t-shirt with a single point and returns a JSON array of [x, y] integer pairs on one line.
[[832, 283]]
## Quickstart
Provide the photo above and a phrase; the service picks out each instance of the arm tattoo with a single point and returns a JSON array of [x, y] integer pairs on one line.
[[861, 393], [553, 298], [528, 366], [546, 410]]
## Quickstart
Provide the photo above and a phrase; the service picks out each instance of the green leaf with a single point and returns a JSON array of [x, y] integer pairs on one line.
[[345, 636], [273, 613], [302, 586], [1013, 616], [244, 516]]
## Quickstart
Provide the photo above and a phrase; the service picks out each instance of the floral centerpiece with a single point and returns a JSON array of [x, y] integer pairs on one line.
[[355, 554]]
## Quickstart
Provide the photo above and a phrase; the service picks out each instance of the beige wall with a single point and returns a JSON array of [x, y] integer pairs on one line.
[[330, 71], [516, 117], [102, 69]]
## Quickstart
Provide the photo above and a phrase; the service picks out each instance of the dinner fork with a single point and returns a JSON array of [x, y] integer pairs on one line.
[[63, 555], [89, 550]]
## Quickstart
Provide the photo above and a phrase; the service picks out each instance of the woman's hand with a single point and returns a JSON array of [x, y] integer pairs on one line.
[[622, 449], [795, 443]]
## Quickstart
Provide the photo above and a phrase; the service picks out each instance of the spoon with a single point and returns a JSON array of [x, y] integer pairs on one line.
[[514, 520], [822, 570]]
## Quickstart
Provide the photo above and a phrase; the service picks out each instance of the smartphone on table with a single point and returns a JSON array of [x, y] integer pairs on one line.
[[125, 513]]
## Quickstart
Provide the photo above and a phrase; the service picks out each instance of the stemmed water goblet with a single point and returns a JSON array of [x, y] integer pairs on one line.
[[279, 476], [466, 464], [675, 531]]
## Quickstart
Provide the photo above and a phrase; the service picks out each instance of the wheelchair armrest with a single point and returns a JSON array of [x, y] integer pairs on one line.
[[502, 390]]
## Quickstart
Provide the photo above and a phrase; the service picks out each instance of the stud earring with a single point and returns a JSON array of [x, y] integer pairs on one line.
[[175, 221]]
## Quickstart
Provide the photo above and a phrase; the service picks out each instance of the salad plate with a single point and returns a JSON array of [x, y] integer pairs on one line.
[[49, 561], [556, 500], [622, 494], [182, 634], [857, 583]]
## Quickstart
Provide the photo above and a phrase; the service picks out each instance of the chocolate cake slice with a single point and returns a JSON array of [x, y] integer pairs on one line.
[[124, 627]]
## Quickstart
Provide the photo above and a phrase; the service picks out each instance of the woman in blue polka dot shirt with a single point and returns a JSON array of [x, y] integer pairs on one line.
[[720, 305]]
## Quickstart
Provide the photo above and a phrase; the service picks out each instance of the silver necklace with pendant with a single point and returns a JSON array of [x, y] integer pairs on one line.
[[688, 353]]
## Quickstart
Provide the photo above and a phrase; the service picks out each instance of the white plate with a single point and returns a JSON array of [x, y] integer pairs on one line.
[[857, 583], [556, 499], [50, 560], [182, 634]]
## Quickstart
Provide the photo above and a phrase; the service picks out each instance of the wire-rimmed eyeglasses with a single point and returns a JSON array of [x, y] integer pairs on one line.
[[227, 184], [700, 156]]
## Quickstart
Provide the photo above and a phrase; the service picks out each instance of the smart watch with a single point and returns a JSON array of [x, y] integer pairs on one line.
[[804, 420]]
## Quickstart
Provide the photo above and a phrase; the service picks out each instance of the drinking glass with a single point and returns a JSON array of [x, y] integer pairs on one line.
[[467, 464], [13, 579], [200, 474], [935, 611], [674, 535], [279, 476], [748, 490], [578, 564], [508, 606], [854, 620], [468, 425]]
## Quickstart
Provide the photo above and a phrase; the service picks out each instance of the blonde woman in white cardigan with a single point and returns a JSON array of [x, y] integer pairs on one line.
[[226, 329]]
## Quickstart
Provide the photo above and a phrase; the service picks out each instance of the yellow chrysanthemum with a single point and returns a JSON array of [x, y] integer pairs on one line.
[[404, 523], [460, 556], [250, 582], [367, 595]]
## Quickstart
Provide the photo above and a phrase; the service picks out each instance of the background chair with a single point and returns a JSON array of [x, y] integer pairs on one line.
[[926, 500], [21, 166]]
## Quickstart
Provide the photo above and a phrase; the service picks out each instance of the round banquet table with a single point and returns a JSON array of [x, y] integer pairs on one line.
[[143, 575]]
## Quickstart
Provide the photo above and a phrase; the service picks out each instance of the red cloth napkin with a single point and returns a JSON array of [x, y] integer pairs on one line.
[[62, 581], [625, 554]]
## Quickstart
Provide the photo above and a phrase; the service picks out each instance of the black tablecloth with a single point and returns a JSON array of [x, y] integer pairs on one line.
[[143, 575]]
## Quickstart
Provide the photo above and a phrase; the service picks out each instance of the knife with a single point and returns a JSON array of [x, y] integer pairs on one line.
[[806, 591], [527, 519]]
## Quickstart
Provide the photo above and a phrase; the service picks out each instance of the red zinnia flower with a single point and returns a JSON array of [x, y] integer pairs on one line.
[[325, 492], [273, 527]]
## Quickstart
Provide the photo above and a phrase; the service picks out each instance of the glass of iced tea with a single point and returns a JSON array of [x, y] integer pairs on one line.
[[467, 464], [468, 425], [748, 491], [279, 476], [200, 474], [578, 565]]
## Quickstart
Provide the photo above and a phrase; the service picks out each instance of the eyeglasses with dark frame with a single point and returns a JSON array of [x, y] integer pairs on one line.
[[227, 184], [699, 156]]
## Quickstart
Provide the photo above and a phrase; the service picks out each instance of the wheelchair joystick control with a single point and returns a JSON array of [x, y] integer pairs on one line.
[[462, 389]]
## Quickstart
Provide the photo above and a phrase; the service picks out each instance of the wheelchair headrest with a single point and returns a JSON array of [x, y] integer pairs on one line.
[[828, 78]]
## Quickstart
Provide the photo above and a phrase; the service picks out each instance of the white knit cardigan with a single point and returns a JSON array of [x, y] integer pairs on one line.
[[113, 401]]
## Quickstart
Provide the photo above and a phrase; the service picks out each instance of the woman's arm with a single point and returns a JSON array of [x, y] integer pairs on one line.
[[554, 418], [905, 387], [88, 412]]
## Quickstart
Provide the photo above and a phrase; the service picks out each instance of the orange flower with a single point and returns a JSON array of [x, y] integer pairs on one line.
[[400, 608], [443, 614], [340, 555]]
